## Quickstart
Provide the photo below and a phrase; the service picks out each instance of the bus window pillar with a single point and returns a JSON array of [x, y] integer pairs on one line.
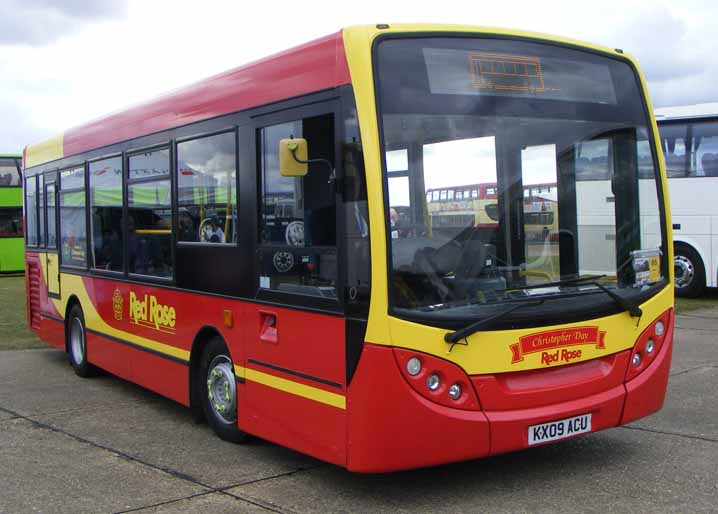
[[567, 213], [625, 190], [417, 187], [510, 245]]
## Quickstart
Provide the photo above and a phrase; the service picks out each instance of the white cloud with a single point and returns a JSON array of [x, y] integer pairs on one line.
[[38, 22]]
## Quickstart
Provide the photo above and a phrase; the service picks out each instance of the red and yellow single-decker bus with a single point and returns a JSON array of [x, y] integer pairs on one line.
[[258, 246]]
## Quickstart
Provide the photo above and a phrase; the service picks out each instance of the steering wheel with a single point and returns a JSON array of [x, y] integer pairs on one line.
[[294, 233], [424, 264], [202, 229]]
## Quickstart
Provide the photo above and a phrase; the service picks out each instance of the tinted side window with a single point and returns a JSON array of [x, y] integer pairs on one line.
[[41, 210], [9, 174], [73, 237], [297, 222], [51, 219], [149, 225], [704, 149], [106, 217], [206, 181], [673, 141], [31, 210], [11, 222]]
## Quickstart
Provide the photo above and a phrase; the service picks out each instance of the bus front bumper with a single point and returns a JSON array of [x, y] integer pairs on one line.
[[391, 427]]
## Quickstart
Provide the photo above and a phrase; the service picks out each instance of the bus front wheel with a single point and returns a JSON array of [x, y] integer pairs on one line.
[[219, 391], [689, 272]]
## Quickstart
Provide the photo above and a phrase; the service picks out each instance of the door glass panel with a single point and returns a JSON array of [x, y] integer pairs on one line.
[[31, 210], [51, 219], [297, 222]]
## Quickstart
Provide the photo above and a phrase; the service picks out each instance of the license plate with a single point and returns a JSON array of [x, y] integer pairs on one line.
[[561, 429]]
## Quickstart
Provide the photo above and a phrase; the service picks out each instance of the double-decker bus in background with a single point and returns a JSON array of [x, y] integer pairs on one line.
[[12, 245], [440, 341], [452, 209], [689, 137]]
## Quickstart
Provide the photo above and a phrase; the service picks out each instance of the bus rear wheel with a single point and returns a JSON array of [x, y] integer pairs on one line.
[[689, 272], [77, 343], [218, 388]]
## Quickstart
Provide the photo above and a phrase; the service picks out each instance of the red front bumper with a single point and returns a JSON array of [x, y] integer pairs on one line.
[[391, 427]]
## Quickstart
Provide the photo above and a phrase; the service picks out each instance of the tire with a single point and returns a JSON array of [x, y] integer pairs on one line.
[[77, 343], [218, 391], [690, 273]]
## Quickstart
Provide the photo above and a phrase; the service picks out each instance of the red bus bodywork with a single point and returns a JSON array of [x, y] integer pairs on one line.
[[385, 424]]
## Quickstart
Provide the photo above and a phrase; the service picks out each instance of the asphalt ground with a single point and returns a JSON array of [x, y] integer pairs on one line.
[[104, 445]]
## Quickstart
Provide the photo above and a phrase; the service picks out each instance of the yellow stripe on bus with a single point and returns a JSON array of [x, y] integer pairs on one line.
[[291, 387], [73, 284]]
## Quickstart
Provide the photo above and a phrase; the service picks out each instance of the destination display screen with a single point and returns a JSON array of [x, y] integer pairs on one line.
[[464, 72]]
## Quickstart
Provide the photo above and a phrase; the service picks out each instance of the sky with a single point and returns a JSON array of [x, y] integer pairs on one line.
[[66, 62]]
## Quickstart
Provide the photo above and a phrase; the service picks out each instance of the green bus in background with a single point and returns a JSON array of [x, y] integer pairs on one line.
[[12, 244]]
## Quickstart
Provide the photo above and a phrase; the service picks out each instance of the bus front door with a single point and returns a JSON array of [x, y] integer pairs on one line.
[[295, 369]]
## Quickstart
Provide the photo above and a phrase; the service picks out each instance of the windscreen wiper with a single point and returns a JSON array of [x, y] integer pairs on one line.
[[454, 337], [565, 282], [628, 305], [591, 280]]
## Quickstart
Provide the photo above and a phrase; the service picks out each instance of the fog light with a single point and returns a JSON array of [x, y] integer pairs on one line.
[[433, 382], [636, 359], [650, 346], [413, 366], [660, 328], [455, 392]]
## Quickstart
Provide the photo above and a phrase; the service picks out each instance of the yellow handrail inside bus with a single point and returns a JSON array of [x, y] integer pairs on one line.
[[152, 231]]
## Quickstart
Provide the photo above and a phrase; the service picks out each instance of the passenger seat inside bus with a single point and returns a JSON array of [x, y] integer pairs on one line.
[[710, 164]]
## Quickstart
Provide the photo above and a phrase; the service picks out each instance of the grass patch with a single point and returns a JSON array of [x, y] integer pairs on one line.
[[13, 325], [708, 300]]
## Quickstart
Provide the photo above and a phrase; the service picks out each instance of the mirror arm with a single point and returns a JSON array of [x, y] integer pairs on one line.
[[332, 174]]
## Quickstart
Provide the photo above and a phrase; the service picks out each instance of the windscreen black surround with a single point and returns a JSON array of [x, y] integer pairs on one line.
[[509, 165]]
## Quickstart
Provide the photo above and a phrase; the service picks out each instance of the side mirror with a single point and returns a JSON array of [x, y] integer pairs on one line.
[[293, 157]]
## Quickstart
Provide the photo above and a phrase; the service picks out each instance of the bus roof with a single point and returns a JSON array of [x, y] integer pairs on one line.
[[681, 112], [314, 66]]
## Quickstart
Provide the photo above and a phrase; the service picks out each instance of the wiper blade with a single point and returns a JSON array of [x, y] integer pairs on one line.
[[566, 282], [463, 333], [628, 305], [591, 280]]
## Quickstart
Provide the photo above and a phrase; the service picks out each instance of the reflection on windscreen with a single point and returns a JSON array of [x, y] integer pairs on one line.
[[492, 193]]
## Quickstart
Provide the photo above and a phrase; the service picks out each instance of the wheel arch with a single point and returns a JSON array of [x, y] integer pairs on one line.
[[697, 247]]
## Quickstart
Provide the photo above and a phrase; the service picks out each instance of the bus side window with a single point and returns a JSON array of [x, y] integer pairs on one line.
[[73, 236], [106, 214], [149, 224], [704, 158], [206, 181]]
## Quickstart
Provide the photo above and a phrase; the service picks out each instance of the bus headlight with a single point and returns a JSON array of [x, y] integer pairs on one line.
[[660, 328], [413, 366], [455, 392], [433, 382], [636, 359], [437, 380], [650, 346]]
